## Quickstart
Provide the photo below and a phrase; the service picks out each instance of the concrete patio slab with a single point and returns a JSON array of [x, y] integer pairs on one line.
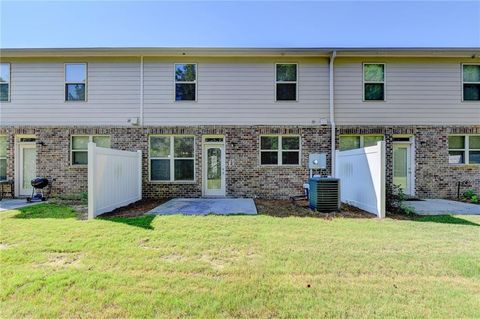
[[205, 206], [443, 207], [9, 204]]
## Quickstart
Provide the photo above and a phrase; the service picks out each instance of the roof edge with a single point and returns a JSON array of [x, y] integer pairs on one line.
[[231, 52]]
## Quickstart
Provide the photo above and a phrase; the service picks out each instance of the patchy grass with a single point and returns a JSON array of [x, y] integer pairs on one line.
[[56, 266]]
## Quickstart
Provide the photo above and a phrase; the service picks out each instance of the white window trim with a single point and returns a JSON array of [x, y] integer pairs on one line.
[[280, 150], [463, 82], [362, 138], [172, 159], [90, 139], [384, 82], [5, 157], [66, 82], [184, 82], [466, 150], [286, 82], [8, 82]]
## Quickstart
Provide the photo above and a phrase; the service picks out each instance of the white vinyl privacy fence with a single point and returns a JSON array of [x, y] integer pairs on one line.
[[114, 179], [362, 175]]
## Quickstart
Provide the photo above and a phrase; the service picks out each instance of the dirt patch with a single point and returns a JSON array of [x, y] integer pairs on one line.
[[135, 209], [215, 263], [400, 216], [173, 258], [81, 210], [4, 246], [62, 260], [284, 208], [277, 208], [79, 206]]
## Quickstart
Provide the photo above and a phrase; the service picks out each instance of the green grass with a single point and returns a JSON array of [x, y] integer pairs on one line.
[[53, 265]]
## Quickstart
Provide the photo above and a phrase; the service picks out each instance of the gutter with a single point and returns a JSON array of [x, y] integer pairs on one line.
[[141, 91], [332, 113], [133, 52]]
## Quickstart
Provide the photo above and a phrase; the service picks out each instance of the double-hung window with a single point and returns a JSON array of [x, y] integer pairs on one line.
[[3, 157], [4, 82], [172, 158], [350, 142], [75, 81], [185, 82], [79, 146], [286, 81], [279, 150], [471, 82], [464, 149], [374, 82]]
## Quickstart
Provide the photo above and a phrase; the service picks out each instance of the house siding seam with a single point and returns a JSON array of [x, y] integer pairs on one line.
[[434, 176]]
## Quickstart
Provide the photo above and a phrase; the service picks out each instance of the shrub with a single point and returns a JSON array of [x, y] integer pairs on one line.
[[395, 200], [471, 196], [474, 199], [84, 197]]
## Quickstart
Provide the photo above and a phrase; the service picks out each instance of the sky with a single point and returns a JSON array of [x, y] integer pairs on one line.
[[56, 24]]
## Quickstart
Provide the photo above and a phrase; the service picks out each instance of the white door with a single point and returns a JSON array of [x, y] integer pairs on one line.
[[27, 168], [402, 167], [214, 170]]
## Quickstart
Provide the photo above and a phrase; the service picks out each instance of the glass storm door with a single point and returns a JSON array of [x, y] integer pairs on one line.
[[402, 171], [214, 170], [28, 168]]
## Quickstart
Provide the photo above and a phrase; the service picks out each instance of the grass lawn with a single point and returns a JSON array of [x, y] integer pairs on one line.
[[53, 265]]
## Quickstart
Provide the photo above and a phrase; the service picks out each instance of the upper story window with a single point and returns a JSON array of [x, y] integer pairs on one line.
[[471, 82], [3, 157], [172, 158], [279, 150], [374, 82], [350, 142], [5, 82], [79, 146], [75, 81], [286, 81], [464, 149], [185, 82]]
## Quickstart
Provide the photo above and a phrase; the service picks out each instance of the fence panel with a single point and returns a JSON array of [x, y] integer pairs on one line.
[[114, 179], [362, 174]]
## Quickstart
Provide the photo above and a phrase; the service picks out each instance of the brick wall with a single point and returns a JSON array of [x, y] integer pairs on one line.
[[434, 176], [244, 175]]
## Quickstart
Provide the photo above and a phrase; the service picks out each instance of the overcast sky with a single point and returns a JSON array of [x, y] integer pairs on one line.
[[240, 24]]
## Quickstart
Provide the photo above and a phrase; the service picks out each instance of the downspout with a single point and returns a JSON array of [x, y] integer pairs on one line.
[[141, 91], [332, 114]]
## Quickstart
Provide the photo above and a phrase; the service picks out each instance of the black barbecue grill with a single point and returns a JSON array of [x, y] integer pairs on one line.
[[38, 185]]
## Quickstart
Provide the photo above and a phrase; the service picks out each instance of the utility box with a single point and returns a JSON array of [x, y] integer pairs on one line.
[[324, 194], [317, 161]]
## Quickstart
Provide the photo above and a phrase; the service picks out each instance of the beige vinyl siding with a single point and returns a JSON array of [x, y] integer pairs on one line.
[[237, 92], [418, 91], [38, 96]]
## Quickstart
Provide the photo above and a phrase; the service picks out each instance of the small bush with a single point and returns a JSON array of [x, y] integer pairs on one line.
[[84, 197], [474, 199], [471, 196], [395, 200]]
